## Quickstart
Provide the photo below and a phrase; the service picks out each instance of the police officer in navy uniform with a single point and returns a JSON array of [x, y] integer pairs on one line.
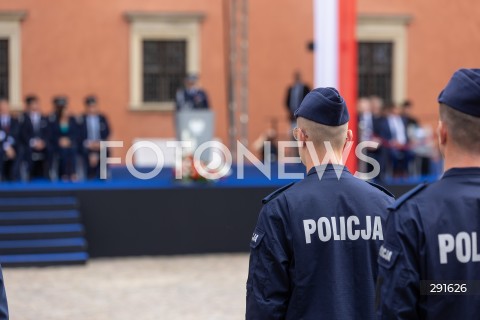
[[3, 299], [314, 249], [432, 232], [191, 97]]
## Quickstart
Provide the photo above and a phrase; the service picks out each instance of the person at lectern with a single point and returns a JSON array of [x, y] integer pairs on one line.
[[191, 97]]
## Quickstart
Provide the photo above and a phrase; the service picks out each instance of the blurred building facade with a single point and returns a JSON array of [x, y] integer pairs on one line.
[[133, 55]]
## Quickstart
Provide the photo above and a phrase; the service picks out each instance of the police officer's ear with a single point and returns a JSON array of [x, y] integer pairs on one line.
[[442, 134], [302, 137], [348, 139], [349, 135]]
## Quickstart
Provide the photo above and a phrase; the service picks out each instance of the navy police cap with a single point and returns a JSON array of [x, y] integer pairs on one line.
[[463, 92], [325, 106]]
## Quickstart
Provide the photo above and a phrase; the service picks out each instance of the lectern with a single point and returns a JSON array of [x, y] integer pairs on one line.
[[196, 126]]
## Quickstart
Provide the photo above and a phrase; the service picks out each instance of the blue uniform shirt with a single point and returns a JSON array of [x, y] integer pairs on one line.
[[314, 249], [432, 234]]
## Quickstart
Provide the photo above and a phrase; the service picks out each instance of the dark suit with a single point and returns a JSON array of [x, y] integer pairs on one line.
[[85, 134], [397, 159], [66, 156], [294, 98], [9, 136], [38, 161]]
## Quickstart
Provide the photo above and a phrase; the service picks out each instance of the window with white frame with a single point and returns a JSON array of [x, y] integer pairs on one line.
[[383, 56], [163, 69], [4, 67], [375, 69], [10, 56], [164, 48]]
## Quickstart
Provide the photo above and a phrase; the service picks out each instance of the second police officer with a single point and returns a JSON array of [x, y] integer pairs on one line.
[[432, 250], [314, 249]]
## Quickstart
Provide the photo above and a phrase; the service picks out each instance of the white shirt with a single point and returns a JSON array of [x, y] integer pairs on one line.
[[366, 126], [5, 121], [35, 117], [397, 128], [93, 127]]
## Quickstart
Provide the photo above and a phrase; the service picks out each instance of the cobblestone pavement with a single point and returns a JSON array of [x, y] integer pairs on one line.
[[199, 287]]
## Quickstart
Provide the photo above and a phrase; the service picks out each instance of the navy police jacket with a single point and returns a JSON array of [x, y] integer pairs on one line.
[[432, 234], [314, 249], [3, 299], [195, 99]]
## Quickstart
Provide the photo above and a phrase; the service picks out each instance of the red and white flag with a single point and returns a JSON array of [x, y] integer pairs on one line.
[[335, 54]]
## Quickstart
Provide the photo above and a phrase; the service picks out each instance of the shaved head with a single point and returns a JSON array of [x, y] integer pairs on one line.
[[463, 129], [319, 133]]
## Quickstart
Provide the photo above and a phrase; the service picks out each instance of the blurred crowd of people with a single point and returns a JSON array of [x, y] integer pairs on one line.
[[55, 146], [405, 147]]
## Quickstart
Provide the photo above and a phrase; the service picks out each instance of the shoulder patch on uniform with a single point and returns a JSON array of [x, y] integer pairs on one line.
[[275, 193], [383, 189], [256, 238], [387, 255], [397, 204]]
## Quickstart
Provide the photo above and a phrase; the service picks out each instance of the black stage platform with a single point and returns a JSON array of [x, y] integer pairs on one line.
[[125, 216], [142, 219]]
